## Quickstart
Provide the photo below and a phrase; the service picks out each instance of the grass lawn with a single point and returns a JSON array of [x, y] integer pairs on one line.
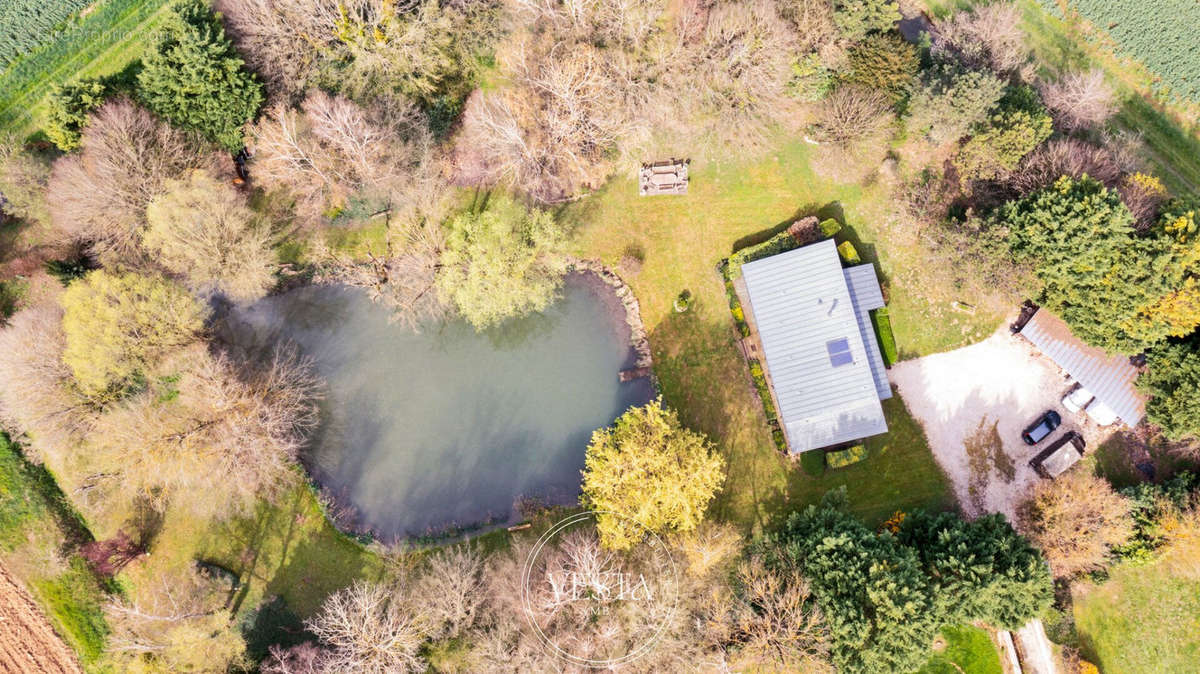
[[290, 551], [964, 649], [1146, 617], [681, 239]]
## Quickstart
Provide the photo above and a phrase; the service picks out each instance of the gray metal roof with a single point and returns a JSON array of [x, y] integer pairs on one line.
[[866, 295], [801, 302], [1110, 378]]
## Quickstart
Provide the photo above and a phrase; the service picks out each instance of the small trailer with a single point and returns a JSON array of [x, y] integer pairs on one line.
[[1059, 456]]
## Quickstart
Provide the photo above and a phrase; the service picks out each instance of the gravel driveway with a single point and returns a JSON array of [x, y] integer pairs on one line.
[[974, 402]]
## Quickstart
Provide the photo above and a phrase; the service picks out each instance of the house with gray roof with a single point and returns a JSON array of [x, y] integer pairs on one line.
[[823, 362]]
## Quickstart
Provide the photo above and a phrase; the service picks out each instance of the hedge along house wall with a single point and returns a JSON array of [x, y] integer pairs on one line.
[[801, 233]]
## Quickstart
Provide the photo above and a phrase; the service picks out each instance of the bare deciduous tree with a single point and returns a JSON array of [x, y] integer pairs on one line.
[[277, 39], [1080, 100], [368, 628], [1063, 156], [1074, 520], [36, 396], [100, 194], [332, 148], [989, 36], [776, 623], [228, 430], [852, 113], [450, 591], [304, 658], [174, 622]]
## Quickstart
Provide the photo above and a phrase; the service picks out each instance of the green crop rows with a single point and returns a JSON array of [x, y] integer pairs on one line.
[[26, 24], [25, 84], [1159, 33]]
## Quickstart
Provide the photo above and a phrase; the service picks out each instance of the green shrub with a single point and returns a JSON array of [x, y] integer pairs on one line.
[[735, 306], [887, 339], [830, 227], [764, 391], [68, 108], [844, 457], [884, 62], [813, 462], [195, 79], [780, 243], [848, 252], [780, 441]]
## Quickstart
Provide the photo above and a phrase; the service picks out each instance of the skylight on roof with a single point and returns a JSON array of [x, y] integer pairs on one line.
[[839, 352]]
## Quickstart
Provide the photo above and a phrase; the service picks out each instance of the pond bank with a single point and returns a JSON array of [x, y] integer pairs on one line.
[[431, 436]]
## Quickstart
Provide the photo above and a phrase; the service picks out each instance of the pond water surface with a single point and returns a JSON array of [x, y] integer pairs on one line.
[[451, 427]]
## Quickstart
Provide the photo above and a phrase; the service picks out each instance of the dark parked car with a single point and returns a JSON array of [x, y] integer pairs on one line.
[[1044, 426], [1059, 455]]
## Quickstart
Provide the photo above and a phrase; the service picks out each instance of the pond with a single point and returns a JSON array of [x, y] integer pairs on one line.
[[449, 428]]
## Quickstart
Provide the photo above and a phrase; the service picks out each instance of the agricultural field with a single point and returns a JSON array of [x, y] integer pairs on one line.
[[102, 43], [26, 24], [1159, 33], [1060, 43]]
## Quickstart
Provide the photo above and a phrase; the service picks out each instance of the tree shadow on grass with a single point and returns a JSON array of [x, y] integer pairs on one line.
[[830, 210], [282, 551], [704, 378]]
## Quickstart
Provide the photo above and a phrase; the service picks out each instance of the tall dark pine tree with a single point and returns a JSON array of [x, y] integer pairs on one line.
[[194, 78]]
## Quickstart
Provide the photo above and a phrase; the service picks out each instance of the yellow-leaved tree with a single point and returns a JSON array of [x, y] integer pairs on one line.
[[202, 229], [648, 468], [119, 325]]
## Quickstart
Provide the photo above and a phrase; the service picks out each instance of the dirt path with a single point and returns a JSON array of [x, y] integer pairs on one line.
[[28, 644]]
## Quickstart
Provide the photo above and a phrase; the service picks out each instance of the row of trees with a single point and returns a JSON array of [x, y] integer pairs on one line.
[[885, 595]]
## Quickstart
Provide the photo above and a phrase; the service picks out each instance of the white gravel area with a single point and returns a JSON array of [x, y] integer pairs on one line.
[[1002, 381]]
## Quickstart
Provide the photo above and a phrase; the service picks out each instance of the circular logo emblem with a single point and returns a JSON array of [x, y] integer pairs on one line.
[[597, 607]]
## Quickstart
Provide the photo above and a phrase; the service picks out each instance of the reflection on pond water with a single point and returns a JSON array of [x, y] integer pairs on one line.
[[450, 427]]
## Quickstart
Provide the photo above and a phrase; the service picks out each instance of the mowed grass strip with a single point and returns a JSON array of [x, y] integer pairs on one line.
[[104, 42]]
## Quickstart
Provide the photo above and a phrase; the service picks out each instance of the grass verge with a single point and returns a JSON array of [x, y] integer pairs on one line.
[[964, 650]]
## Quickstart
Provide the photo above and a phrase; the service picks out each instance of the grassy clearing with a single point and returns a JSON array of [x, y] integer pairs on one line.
[[35, 524], [104, 42], [681, 239], [1145, 618], [964, 649], [290, 551]]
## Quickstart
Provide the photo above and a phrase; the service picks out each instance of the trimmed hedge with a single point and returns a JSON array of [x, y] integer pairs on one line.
[[849, 253], [844, 457], [780, 243], [887, 339], [764, 391], [813, 462], [830, 227]]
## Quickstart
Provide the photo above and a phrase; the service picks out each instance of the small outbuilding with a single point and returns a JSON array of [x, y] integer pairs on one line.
[[823, 361], [1111, 378], [663, 177]]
